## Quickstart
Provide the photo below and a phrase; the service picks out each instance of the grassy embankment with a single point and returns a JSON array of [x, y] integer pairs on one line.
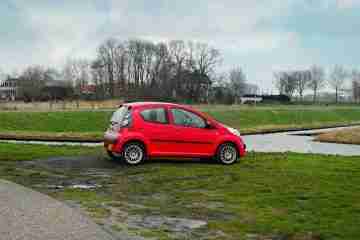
[[346, 136], [25, 152], [291, 196], [89, 125]]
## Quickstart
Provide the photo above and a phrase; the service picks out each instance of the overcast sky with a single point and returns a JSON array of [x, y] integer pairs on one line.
[[261, 36]]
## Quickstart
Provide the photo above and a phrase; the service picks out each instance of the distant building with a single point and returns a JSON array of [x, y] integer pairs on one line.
[[9, 89], [253, 98], [88, 89], [55, 90]]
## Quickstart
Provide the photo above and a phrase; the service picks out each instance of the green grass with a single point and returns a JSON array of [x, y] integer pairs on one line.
[[293, 195], [26, 152], [248, 119], [81, 121], [267, 118]]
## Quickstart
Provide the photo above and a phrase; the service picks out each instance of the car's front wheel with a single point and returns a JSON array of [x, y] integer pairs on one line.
[[134, 153], [227, 154]]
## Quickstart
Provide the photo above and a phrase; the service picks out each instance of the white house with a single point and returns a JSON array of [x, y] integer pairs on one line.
[[8, 89], [251, 99]]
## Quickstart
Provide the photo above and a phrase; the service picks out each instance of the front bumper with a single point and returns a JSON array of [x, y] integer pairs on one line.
[[242, 148]]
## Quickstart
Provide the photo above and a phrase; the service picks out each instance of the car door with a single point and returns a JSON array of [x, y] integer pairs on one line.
[[157, 129], [192, 136]]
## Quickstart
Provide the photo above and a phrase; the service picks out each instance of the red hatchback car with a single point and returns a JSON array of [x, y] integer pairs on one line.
[[143, 130]]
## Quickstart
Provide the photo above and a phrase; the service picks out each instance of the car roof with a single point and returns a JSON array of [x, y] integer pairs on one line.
[[135, 105], [148, 104]]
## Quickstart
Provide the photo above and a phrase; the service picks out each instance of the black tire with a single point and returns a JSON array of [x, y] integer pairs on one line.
[[134, 153], [227, 154]]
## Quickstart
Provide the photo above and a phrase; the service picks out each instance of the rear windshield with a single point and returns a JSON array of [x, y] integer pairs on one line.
[[119, 115]]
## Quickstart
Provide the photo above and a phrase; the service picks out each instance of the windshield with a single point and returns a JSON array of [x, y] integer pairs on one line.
[[119, 115]]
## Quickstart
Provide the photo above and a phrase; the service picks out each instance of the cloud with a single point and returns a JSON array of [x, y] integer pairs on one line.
[[347, 4], [262, 36]]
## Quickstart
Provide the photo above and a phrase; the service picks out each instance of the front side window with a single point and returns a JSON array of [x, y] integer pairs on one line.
[[155, 115], [187, 119]]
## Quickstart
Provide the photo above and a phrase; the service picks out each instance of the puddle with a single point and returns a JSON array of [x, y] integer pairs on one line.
[[89, 165], [69, 185], [170, 223], [85, 186], [300, 142]]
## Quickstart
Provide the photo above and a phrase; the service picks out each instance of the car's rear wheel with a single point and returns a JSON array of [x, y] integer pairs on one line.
[[227, 154], [134, 153]]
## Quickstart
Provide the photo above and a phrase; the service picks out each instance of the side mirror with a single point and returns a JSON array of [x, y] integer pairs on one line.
[[209, 125]]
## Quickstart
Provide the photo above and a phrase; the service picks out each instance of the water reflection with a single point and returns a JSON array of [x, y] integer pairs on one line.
[[300, 142]]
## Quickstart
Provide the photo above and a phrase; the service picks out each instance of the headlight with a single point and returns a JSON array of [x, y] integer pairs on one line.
[[234, 131]]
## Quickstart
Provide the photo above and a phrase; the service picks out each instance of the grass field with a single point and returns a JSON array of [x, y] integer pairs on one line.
[[347, 136], [265, 196], [91, 124], [25, 152]]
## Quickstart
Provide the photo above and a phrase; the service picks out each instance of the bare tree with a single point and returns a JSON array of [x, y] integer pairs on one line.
[[203, 58], [237, 82], [107, 55], [178, 55], [31, 81], [167, 68], [302, 80], [202, 61], [121, 59], [161, 72], [279, 82], [317, 80], [136, 67], [286, 83], [355, 77], [337, 79], [98, 75], [78, 72]]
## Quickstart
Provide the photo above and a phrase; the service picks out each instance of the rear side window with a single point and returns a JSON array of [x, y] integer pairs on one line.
[[155, 115], [120, 114]]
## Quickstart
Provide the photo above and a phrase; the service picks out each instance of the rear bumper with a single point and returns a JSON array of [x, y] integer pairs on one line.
[[110, 140], [111, 137]]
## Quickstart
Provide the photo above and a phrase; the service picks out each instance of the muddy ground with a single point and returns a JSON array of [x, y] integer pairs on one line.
[[87, 183], [193, 199]]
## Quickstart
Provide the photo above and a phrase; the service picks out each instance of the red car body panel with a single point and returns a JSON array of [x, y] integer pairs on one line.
[[170, 140]]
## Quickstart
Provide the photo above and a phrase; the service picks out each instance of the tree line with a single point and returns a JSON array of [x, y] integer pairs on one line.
[[139, 68], [315, 79]]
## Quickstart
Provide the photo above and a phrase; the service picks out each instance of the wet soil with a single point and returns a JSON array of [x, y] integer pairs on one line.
[[83, 163], [124, 218]]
